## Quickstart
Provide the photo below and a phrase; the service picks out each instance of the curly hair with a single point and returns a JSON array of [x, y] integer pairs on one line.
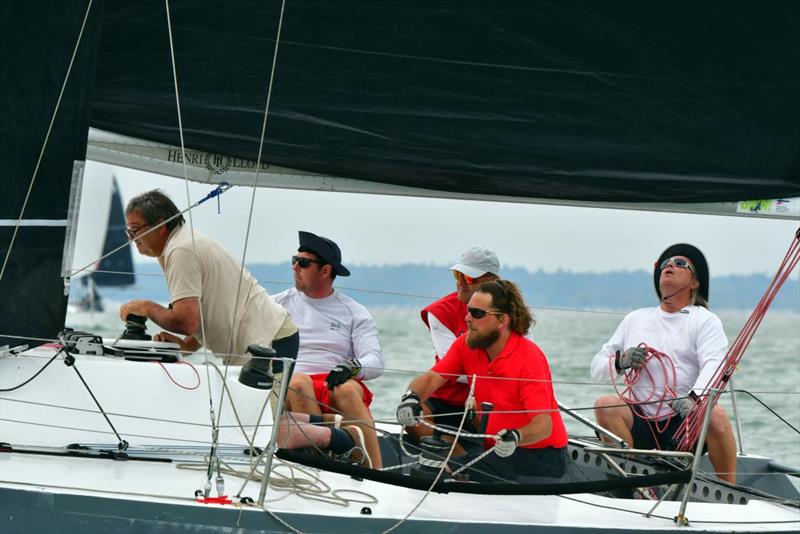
[[507, 298], [155, 206]]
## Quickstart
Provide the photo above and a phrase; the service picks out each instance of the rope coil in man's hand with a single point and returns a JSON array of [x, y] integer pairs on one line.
[[654, 396]]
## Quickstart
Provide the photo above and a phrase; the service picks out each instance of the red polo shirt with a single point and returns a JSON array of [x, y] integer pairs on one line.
[[497, 383]]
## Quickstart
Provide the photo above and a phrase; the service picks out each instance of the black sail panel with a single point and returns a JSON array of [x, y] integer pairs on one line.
[[116, 268], [623, 101], [33, 64]]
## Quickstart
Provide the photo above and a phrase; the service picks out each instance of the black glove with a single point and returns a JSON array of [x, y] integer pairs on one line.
[[633, 357], [507, 444], [342, 373], [409, 410]]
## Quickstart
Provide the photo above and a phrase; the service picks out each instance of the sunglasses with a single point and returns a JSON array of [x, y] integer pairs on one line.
[[680, 263], [305, 262], [132, 232], [461, 276], [478, 313]]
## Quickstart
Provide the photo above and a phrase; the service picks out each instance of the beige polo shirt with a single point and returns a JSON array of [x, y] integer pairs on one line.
[[212, 275]]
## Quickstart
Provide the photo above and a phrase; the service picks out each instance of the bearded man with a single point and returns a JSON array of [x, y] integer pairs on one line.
[[512, 373]]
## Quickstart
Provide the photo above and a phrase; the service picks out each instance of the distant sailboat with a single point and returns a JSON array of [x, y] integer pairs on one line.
[[104, 209]]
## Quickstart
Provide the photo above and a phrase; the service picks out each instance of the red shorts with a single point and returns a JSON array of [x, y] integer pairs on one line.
[[323, 394]]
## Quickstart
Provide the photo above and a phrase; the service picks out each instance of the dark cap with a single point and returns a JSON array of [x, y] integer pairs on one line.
[[698, 262], [325, 249]]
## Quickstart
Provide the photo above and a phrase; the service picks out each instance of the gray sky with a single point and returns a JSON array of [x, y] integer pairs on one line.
[[375, 230]]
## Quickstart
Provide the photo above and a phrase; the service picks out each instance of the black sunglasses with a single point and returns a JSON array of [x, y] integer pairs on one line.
[[478, 313], [305, 262], [133, 232]]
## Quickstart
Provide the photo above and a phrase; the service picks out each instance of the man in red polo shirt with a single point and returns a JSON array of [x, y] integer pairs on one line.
[[513, 374]]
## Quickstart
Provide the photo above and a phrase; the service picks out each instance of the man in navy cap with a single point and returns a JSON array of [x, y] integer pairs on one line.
[[339, 346], [682, 328]]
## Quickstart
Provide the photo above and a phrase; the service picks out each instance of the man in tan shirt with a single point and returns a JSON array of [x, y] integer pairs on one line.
[[203, 277]]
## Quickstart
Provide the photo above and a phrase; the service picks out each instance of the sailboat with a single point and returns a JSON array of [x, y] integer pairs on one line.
[[627, 105], [104, 209]]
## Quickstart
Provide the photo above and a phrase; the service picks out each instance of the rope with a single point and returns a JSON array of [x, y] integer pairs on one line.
[[197, 375], [632, 377], [467, 403], [689, 430], [46, 139]]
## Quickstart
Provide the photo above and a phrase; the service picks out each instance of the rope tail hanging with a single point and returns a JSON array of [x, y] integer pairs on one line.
[[689, 430]]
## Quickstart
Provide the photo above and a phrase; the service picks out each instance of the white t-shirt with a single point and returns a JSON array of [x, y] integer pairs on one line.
[[441, 336], [333, 329], [212, 275], [692, 337]]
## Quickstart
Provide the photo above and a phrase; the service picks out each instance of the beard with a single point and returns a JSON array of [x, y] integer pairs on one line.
[[482, 340]]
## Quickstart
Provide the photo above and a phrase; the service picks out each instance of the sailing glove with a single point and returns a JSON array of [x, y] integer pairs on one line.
[[633, 357], [682, 406], [507, 444], [342, 373], [409, 409]]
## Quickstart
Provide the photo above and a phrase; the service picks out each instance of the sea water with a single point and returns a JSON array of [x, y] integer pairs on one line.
[[769, 370]]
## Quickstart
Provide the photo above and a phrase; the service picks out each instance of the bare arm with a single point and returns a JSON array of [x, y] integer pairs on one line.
[[183, 317], [187, 344], [539, 428], [424, 385]]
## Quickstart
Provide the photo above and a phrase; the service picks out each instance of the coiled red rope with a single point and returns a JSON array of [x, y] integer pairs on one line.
[[689, 430], [660, 396]]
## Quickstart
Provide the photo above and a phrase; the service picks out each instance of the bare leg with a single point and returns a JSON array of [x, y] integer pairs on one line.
[[722, 445], [614, 415], [349, 400], [300, 397], [294, 432]]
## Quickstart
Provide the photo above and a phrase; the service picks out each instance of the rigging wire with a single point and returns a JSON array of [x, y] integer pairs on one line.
[[687, 433], [214, 431], [6, 390], [46, 139]]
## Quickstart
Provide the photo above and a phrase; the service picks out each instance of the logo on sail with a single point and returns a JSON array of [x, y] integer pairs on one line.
[[217, 163]]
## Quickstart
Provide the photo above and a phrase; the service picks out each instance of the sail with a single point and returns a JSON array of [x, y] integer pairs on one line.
[[33, 65], [115, 269], [622, 102]]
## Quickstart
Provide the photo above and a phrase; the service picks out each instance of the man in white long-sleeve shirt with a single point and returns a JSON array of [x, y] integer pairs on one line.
[[682, 328], [339, 345]]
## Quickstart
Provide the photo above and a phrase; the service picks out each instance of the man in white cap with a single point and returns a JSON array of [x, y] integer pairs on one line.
[[339, 345], [445, 318]]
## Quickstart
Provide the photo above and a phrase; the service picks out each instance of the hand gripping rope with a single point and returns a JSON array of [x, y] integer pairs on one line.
[[659, 398], [687, 434]]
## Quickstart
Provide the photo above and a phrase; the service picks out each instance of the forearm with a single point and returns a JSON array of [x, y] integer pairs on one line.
[[539, 428], [167, 318], [424, 385]]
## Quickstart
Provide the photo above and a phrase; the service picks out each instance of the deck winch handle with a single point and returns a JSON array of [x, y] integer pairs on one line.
[[486, 408]]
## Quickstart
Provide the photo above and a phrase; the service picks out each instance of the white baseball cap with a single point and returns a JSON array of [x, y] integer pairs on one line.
[[477, 261]]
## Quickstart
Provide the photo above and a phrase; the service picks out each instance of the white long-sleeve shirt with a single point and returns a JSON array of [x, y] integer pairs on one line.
[[333, 329], [692, 337]]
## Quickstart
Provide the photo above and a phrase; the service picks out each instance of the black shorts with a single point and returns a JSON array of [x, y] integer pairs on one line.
[[448, 414], [646, 435], [522, 466]]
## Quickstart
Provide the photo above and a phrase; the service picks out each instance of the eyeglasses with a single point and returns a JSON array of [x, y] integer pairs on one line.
[[680, 263], [458, 275], [132, 232], [478, 313], [304, 263]]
